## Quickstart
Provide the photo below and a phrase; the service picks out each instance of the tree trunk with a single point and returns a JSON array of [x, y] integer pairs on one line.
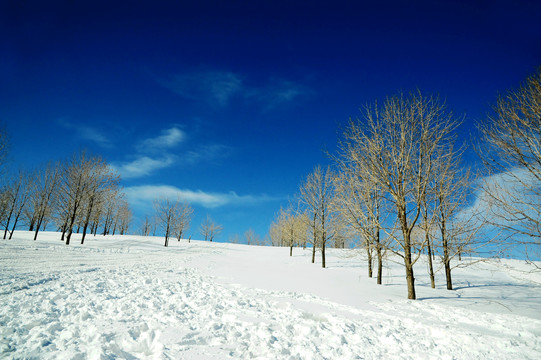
[[291, 250], [446, 259], [410, 278], [37, 230], [14, 225], [369, 254], [84, 233], [314, 253], [380, 265], [378, 246], [7, 224], [430, 267], [448, 275], [323, 254]]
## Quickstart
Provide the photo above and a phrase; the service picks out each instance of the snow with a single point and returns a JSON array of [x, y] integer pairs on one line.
[[128, 297]]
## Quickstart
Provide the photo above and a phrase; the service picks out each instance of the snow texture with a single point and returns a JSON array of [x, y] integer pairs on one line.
[[128, 297]]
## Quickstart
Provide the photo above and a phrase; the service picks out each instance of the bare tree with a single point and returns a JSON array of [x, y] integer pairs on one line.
[[146, 226], [316, 197], [209, 229], [42, 202], [100, 180], [109, 209], [511, 152], [124, 215], [361, 204], [16, 198], [234, 239], [395, 146], [73, 190], [166, 211], [183, 219]]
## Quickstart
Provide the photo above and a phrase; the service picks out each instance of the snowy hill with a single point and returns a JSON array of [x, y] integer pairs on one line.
[[128, 297]]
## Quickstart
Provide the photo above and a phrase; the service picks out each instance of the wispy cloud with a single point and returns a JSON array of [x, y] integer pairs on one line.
[[220, 87], [86, 132], [169, 138], [144, 195], [207, 153], [142, 166], [278, 92], [215, 87]]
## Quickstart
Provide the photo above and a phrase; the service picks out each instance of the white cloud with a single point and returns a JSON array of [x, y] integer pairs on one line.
[[168, 139], [143, 166], [144, 195], [86, 132], [518, 187]]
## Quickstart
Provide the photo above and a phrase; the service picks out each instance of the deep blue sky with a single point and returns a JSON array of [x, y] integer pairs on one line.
[[233, 102]]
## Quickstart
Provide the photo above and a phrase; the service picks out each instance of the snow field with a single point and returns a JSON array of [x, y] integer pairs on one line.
[[130, 298]]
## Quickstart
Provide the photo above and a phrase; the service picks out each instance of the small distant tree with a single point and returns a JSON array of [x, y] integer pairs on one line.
[[234, 239], [146, 226], [183, 219], [125, 216], [108, 210], [316, 197], [290, 227], [209, 229], [166, 210]]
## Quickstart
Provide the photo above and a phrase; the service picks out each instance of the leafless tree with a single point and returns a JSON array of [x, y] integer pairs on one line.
[[290, 228], [511, 152], [124, 215], [16, 198], [234, 239], [72, 190], [146, 226], [42, 199], [316, 197], [361, 205], [209, 229], [166, 211], [109, 209], [395, 146], [101, 181], [183, 218]]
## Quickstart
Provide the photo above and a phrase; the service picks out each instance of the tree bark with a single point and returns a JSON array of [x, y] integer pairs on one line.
[[323, 255], [370, 260], [430, 267]]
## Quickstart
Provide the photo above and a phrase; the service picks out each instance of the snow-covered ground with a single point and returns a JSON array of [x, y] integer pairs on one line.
[[128, 297]]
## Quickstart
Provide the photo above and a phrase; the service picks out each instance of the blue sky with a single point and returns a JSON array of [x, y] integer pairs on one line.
[[231, 103]]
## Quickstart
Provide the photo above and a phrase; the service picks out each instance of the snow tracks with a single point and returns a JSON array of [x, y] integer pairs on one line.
[[154, 306]]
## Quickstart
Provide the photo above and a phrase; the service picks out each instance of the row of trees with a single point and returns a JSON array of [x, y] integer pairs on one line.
[[399, 184], [173, 217], [81, 194]]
